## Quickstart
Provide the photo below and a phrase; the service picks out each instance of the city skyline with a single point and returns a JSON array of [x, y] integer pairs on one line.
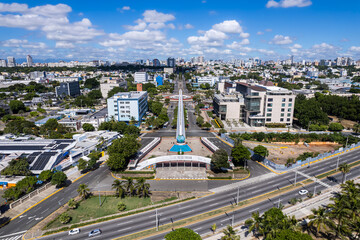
[[127, 31]]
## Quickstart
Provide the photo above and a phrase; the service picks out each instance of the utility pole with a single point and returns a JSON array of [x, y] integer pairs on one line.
[[295, 178], [237, 197], [337, 163], [157, 223], [279, 203]]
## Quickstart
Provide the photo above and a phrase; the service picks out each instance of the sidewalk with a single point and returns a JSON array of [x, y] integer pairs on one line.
[[12, 213], [300, 211]]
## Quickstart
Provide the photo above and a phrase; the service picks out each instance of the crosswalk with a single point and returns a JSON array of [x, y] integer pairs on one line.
[[13, 236]]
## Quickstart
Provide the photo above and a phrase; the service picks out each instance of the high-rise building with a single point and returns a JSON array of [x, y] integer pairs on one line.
[[156, 62], [68, 89], [292, 59], [140, 77], [11, 62], [171, 62], [3, 63], [127, 106], [29, 61]]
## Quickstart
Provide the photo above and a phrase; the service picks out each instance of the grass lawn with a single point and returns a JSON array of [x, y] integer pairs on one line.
[[90, 209]]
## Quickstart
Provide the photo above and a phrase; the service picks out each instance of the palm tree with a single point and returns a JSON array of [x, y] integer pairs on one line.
[[356, 128], [142, 188], [83, 191], [129, 186], [72, 203], [255, 224], [344, 168], [230, 234], [119, 188], [213, 228], [319, 219]]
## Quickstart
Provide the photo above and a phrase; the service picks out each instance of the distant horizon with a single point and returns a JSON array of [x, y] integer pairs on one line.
[[131, 30]]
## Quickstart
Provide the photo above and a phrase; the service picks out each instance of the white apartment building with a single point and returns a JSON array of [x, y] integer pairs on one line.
[[3, 63], [127, 105], [11, 62], [140, 77], [207, 79], [229, 107], [266, 104], [105, 88]]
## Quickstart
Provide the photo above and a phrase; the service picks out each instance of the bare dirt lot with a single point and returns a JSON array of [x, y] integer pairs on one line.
[[281, 152], [346, 123]]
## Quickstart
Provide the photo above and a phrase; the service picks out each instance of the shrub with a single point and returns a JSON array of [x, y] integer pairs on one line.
[[64, 218], [121, 206]]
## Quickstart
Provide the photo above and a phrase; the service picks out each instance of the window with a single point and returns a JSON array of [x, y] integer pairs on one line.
[[290, 104], [288, 119], [121, 102], [254, 94], [283, 104], [127, 111], [268, 119], [127, 102], [289, 114], [268, 114], [281, 119], [289, 109], [269, 109], [122, 116], [122, 107], [284, 100], [270, 99], [282, 115], [269, 104], [290, 99], [283, 109]]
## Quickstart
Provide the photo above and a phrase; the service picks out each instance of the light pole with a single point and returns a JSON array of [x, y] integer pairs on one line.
[[237, 197], [233, 218], [279, 203], [337, 163], [157, 223], [314, 190]]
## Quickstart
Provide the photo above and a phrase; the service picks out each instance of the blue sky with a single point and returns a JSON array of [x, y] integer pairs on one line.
[[130, 29]]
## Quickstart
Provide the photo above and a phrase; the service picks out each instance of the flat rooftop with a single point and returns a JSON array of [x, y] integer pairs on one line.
[[129, 95]]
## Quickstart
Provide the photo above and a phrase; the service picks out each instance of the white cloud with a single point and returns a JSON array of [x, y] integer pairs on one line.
[[230, 26], [19, 43], [288, 3], [281, 40], [64, 45], [260, 33], [153, 16], [125, 8], [266, 52], [354, 49], [51, 20], [244, 35], [188, 26]]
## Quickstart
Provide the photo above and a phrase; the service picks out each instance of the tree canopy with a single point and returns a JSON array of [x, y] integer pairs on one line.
[[182, 234], [239, 154], [220, 160]]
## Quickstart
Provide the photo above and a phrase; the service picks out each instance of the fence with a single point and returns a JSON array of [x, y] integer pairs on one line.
[[320, 157], [30, 195]]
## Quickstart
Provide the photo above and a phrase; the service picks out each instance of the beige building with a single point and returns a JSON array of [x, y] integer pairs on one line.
[[229, 107], [105, 88]]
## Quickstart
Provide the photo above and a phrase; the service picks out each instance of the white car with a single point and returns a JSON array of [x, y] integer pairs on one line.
[[74, 231], [303, 192]]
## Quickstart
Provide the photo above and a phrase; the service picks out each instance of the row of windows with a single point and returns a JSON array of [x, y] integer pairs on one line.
[[281, 119], [283, 104], [124, 102], [124, 107], [283, 109], [283, 100], [281, 115]]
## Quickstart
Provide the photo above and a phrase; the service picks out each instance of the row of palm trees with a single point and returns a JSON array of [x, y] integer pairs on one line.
[[340, 219], [130, 188]]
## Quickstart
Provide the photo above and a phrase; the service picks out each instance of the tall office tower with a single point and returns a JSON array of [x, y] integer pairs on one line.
[[171, 62], [29, 61], [3, 63], [11, 62], [156, 63], [200, 59], [292, 59]]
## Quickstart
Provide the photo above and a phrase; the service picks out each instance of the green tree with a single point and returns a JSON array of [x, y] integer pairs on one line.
[[83, 191], [261, 150], [129, 186], [72, 203], [91, 164], [95, 94], [17, 167], [58, 179], [213, 228], [128, 145], [288, 234], [91, 83], [121, 206], [230, 234], [239, 154], [356, 128], [82, 164], [335, 127], [142, 188], [16, 106], [167, 100], [200, 121], [88, 127], [116, 162], [344, 168], [64, 218], [319, 219], [220, 159], [45, 175], [119, 188], [182, 234]]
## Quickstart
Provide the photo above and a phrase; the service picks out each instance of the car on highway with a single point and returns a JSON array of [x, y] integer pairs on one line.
[[303, 192], [74, 231], [94, 232]]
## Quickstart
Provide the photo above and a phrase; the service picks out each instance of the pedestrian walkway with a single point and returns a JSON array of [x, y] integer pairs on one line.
[[312, 178]]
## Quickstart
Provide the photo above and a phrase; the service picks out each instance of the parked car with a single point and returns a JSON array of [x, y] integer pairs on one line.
[[95, 232], [303, 192], [74, 231]]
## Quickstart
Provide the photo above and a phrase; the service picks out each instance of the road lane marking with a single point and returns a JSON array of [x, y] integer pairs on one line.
[[197, 229], [254, 210], [13, 234], [121, 230], [225, 220], [213, 204], [187, 212], [45, 210], [124, 222]]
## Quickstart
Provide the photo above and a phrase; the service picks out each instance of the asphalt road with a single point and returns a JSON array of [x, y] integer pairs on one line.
[[143, 221]]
